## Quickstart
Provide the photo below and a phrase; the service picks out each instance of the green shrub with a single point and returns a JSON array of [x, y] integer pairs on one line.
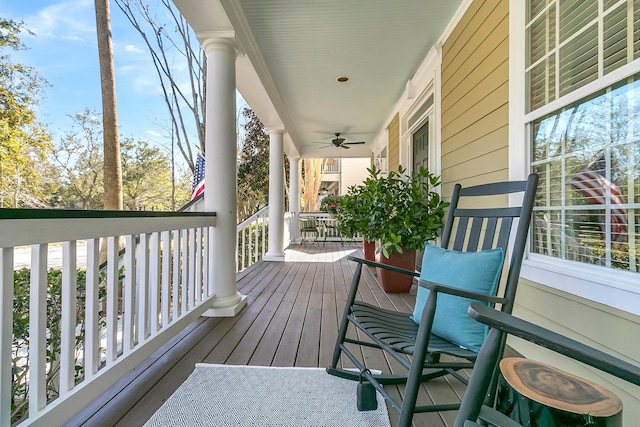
[[20, 346], [330, 204]]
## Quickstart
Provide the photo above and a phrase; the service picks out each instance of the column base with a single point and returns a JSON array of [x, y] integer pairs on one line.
[[220, 309], [270, 256]]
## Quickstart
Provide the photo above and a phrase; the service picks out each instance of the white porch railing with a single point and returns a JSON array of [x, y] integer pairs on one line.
[[325, 228], [252, 241], [253, 238], [331, 165], [152, 286]]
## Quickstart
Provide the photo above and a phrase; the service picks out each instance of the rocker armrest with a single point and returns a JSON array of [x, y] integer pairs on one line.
[[384, 266], [437, 287], [556, 342]]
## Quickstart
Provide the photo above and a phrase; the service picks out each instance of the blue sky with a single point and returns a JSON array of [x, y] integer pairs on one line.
[[64, 51]]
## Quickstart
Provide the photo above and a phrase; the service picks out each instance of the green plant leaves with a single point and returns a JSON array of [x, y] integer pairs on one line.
[[398, 209]]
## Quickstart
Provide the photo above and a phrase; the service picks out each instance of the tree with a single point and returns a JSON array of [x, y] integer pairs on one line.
[[253, 166], [112, 165], [23, 140], [167, 33], [145, 170], [146, 176], [312, 174], [79, 160]]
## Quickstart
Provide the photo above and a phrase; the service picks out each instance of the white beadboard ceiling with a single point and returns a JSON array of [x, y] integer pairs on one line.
[[292, 51]]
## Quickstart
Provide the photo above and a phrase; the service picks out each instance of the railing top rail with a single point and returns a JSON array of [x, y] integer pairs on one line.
[[253, 217], [25, 230], [13, 213], [191, 203], [315, 214]]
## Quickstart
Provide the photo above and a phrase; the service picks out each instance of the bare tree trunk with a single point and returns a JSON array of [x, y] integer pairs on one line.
[[112, 166], [313, 174]]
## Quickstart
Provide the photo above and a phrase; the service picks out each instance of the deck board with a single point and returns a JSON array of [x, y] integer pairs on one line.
[[291, 319]]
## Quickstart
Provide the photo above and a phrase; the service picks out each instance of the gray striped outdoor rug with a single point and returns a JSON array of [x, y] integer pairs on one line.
[[229, 395]]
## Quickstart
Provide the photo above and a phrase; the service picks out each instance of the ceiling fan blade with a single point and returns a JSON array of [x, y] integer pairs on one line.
[[354, 143], [343, 146]]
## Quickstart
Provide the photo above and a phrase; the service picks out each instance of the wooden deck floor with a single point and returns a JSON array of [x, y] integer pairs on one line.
[[291, 319]]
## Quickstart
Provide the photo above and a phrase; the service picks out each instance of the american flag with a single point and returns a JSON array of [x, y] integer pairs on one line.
[[197, 187], [592, 184]]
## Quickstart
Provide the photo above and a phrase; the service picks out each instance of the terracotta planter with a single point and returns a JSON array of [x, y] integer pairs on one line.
[[392, 282], [369, 249]]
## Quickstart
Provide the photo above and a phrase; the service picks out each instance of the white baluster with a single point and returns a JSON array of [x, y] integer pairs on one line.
[[208, 272], [37, 329], [198, 269], [6, 333], [184, 262], [252, 248], [176, 276], [154, 282], [166, 277], [68, 321], [243, 248], [129, 294], [142, 261], [192, 268], [112, 299], [91, 316]]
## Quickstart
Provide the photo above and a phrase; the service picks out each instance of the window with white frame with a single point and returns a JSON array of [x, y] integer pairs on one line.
[[587, 151], [381, 161]]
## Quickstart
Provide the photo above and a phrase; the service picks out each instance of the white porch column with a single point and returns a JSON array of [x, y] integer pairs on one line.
[[276, 197], [294, 198], [221, 176]]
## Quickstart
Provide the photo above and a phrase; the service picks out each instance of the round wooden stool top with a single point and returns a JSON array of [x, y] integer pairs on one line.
[[558, 389]]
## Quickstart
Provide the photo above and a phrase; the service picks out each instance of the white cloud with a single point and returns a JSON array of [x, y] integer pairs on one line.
[[133, 49], [153, 133], [69, 20], [142, 78]]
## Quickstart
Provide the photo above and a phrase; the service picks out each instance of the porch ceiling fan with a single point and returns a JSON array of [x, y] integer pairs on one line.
[[339, 142]]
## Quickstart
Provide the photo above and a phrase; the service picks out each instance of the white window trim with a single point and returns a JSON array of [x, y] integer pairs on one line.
[[427, 83], [618, 289]]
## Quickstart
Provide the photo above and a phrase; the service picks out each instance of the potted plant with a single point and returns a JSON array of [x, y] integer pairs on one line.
[[401, 211], [353, 218], [330, 204]]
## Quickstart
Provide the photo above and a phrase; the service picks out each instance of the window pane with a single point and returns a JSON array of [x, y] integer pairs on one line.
[[609, 3], [535, 7], [541, 36], [576, 15], [588, 158], [615, 39], [579, 61], [636, 29], [542, 83]]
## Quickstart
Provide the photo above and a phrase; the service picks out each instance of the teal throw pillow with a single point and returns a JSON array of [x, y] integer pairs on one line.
[[473, 271]]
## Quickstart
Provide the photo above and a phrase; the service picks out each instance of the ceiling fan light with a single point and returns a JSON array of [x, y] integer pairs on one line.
[[342, 79]]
